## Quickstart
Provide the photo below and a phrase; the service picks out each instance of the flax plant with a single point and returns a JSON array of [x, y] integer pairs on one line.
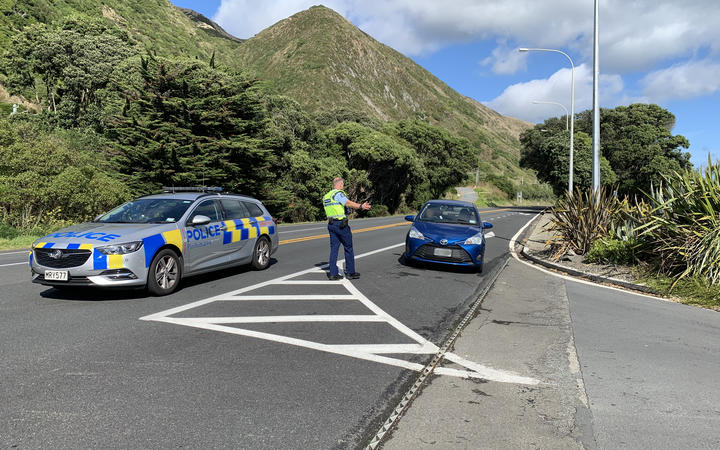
[[581, 218], [682, 230]]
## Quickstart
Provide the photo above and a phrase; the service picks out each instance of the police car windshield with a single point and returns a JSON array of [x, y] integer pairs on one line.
[[147, 210]]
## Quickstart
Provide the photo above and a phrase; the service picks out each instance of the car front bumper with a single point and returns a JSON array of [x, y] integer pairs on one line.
[[455, 254], [97, 269]]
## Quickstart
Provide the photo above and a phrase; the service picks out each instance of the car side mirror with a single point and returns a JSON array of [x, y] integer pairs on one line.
[[410, 218], [487, 225], [200, 220]]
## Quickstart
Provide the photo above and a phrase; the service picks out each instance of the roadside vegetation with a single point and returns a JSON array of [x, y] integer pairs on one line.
[[671, 234], [112, 120]]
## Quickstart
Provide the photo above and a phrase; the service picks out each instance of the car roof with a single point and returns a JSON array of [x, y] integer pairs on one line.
[[450, 202], [196, 195]]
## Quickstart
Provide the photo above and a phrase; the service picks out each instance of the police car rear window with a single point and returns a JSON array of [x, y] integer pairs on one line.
[[254, 209], [234, 209]]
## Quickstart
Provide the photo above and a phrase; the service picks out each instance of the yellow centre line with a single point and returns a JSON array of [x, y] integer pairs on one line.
[[361, 230]]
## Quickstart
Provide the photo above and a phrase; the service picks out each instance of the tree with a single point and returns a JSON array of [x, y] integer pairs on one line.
[[446, 158], [181, 122], [64, 66], [638, 143], [555, 151], [392, 166]]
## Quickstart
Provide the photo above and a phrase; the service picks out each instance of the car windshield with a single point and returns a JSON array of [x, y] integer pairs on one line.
[[147, 210], [445, 213]]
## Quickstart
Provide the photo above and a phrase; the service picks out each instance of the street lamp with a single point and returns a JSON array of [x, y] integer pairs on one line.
[[572, 104], [567, 116]]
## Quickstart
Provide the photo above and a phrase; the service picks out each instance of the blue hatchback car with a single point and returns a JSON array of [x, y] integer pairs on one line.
[[447, 232]]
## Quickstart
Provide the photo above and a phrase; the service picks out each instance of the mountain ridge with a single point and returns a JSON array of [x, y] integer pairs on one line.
[[317, 55]]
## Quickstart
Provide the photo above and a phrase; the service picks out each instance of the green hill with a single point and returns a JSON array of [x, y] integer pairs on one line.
[[156, 24], [324, 62], [316, 57]]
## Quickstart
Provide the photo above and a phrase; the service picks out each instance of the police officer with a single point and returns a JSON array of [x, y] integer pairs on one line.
[[335, 202]]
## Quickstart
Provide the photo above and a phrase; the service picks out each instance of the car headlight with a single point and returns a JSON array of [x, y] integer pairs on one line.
[[415, 234], [120, 249], [475, 240]]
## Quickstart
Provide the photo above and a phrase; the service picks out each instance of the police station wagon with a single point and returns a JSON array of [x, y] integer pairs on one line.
[[156, 240]]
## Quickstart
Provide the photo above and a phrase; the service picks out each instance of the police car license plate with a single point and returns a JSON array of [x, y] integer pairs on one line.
[[446, 252], [56, 275]]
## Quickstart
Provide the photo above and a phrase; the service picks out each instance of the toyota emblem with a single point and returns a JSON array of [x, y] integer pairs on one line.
[[443, 241], [56, 254]]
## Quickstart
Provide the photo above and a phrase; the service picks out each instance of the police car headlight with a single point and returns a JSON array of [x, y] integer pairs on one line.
[[415, 234], [120, 249], [475, 240]]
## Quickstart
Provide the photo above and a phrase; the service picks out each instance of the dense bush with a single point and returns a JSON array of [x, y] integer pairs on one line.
[[50, 178]]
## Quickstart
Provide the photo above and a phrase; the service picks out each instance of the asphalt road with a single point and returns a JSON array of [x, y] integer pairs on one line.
[[80, 369], [650, 369]]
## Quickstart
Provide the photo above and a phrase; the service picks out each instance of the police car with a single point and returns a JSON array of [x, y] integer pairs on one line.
[[156, 240]]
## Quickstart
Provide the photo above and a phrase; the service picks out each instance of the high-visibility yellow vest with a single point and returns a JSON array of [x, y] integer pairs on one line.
[[333, 208]]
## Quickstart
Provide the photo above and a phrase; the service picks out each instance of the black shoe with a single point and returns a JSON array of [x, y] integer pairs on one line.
[[335, 277], [353, 276]]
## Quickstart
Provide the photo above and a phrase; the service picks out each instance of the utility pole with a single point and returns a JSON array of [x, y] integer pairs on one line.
[[596, 108]]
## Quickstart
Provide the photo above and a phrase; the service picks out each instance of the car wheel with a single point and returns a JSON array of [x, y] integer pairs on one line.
[[261, 254], [165, 273]]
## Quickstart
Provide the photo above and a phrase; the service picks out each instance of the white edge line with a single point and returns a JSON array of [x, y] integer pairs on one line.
[[566, 277], [14, 264], [15, 253]]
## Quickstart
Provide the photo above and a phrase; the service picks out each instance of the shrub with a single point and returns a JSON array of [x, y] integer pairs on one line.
[[378, 211], [7, 231], [583, 217], [610, 250]]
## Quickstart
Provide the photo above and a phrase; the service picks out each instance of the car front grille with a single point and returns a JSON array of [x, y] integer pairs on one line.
[[459, 255], [68, 257]]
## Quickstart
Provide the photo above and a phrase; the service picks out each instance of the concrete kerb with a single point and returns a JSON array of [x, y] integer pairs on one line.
[[533, 231]]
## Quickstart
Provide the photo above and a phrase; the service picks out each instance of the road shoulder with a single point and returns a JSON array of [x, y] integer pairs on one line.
[[524, 327]]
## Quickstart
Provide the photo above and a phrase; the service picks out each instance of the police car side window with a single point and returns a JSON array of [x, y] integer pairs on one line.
[[234, 209], [254, 209], [207, 208]]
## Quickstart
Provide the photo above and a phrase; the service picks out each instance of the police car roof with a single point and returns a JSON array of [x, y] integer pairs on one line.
[[196, 195]]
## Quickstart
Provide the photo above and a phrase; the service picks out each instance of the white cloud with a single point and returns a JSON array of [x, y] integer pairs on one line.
[[683, 81], [516, 100], [634, 35], [505, 61]]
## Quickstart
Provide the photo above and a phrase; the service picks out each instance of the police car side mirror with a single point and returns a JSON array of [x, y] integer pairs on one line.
[[409, 218], [487, 225], [200, 220]]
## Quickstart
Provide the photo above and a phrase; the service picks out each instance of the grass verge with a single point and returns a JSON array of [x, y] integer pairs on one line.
[[690, 291], [21, 242]]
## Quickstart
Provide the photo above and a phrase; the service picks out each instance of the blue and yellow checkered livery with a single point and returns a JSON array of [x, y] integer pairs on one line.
[[242, 229]]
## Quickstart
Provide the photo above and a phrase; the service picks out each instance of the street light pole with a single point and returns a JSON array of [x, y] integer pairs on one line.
[[572, 105], [596, 108], [567, 115]]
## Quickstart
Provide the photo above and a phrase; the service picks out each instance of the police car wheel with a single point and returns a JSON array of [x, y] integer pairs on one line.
[[164, 274], [261, 254]]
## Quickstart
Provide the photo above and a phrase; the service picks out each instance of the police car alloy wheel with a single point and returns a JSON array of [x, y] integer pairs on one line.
[[165, 273], [261, 254]]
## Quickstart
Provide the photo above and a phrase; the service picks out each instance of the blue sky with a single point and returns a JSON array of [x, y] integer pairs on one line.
[[652, 51]]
